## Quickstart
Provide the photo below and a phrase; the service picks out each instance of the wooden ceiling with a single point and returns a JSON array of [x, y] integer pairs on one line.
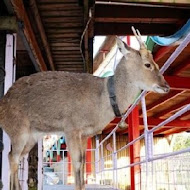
[[58, 35], [63, 22], [116, 18]]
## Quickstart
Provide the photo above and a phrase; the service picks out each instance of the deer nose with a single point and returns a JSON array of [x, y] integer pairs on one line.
[[166, 87]]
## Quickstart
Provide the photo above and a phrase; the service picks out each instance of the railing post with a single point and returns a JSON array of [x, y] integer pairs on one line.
[[40, 165], [97, 158], [115, 180], [148, 144], [25, 173], [102, 161], [63, 178]]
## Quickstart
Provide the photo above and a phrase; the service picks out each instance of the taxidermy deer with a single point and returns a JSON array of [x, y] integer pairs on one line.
[[76, 105]]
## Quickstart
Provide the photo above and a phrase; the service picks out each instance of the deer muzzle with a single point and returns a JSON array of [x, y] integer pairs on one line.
[[161, 88]]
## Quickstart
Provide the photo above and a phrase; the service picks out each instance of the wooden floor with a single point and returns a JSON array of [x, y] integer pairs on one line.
[[71, 187]]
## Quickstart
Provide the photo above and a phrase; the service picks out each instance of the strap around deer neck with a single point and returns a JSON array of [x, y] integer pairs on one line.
[[113, 101]]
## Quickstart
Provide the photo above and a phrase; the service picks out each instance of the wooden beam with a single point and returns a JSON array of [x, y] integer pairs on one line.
[[174, 131], [177, 123], [122, 29], [179, 68], [58, 6], [8, 23], [138, 11], [146, 18], [185, 114], [161, 52], [173, 108], [28, 32], [170, 131], [42, 33], [162, 100], [178, 83], [137, 20]]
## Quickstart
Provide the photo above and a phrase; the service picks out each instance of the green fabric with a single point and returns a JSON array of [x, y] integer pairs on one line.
[[150, 44]]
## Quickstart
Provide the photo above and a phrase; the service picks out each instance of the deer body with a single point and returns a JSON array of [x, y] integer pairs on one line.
[[76, 105]]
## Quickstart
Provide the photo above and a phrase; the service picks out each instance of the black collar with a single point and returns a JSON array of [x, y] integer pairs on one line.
[[113, 101]]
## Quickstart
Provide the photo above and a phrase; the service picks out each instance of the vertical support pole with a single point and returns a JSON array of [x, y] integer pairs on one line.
[[40, 165], [97, 159], [63, 156], [25, 173], [114, 162], [134, 132], [102, 163], [9, 79], [148, 145], [88, 159], [2, 66]]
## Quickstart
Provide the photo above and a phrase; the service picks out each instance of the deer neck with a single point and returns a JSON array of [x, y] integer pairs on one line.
[[125, 89]]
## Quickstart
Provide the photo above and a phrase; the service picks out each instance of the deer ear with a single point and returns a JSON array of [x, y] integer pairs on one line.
[[123, 47]]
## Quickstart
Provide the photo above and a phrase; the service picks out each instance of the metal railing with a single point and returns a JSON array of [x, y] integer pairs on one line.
[[147, 136]]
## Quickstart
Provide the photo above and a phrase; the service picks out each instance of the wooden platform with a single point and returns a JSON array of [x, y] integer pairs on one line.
[[71, 187]]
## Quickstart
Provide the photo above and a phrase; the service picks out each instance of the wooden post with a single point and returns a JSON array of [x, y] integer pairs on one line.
[[134, 132]]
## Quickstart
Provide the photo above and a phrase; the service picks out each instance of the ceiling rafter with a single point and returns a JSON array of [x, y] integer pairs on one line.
[[178, 83], [173, 108], [42, 33], [161, 100], [28, 32], [166, 131], [173, 131], [181, 67], [177, 123], [185, 114], [162, 51], [146, 18]]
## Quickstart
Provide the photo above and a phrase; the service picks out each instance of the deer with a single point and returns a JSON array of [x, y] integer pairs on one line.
[[78, 105]]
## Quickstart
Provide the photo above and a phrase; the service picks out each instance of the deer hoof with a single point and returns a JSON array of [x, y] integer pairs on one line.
[[122, 125]]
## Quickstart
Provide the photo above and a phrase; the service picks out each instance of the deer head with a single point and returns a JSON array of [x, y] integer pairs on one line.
[[141, 65]]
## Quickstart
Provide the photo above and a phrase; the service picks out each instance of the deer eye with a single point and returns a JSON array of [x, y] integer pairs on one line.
[[148, 65]]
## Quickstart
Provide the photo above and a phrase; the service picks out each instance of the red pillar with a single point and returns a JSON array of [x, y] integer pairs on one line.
[[58, 158], [134, 132], [88, 158], [69, 164]]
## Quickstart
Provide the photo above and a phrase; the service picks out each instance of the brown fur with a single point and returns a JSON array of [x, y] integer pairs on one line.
[[76, 105]]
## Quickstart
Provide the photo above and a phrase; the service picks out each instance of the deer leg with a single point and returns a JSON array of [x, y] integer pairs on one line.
[[14, 162], [14, 159], [83, 152], [29, 145], [77, 151]]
